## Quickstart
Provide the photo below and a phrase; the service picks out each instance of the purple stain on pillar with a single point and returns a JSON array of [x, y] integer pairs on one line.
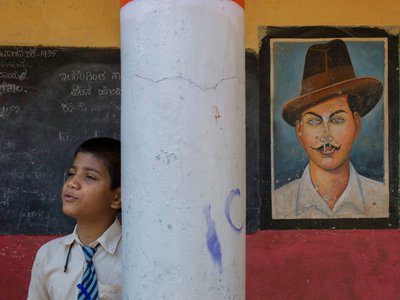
[[228, 202], [213, 245]]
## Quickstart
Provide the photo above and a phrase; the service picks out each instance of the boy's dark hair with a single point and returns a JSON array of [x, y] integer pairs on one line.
[[108, 150]]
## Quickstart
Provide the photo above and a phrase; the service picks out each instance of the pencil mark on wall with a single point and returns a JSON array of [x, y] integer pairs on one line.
[[228, 203], [165, 157], [217, 113], [213, 244]]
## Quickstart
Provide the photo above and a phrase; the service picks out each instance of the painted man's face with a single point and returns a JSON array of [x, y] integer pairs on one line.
[[327, 132]]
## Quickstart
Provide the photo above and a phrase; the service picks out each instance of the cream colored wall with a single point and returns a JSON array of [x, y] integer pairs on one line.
[[95, 23]]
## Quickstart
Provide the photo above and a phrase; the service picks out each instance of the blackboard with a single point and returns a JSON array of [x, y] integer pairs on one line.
[[252, 142], [51, 99]]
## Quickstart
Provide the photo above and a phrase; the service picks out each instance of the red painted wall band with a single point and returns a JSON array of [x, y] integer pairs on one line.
[[293, 264], [240, 2]]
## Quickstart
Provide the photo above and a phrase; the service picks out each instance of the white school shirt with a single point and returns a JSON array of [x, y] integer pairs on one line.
[[49, 281], [362, 198]]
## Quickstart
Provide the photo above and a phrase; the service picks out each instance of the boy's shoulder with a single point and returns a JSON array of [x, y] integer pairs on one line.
[[55, 245]]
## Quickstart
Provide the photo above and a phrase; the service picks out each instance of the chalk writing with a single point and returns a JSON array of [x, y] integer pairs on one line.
[[106, 91], [47, 53], [22, 175], [4, 204], [105, 107], [80, 91], [69, 107], [43, 196], [27, 218], [17, 52], [213, 244], [14, 64], [116, 76], [8, 144], [64, 137], [42, 53], [6, 111], [228, 202], [28, 53], [14, 75], [10, 88], [77, 75], [9, 194]]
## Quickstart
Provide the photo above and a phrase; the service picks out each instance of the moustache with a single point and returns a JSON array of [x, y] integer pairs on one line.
[[327, 145]]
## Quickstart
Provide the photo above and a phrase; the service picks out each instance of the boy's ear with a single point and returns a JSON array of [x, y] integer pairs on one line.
[[116, 203]]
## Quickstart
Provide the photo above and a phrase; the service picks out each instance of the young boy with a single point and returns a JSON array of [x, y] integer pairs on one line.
[[87, 263]]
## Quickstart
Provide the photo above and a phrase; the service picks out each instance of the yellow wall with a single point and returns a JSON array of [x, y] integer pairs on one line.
[[318, 12], [82, 23], [96, 22]]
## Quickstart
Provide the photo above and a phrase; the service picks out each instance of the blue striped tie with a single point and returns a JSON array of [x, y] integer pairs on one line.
[[88, 287]]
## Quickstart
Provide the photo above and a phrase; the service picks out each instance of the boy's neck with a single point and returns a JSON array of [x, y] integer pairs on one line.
[[88, 232]]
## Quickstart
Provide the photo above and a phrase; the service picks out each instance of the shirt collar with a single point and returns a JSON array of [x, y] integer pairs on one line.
[[352, 199], [108, 240]]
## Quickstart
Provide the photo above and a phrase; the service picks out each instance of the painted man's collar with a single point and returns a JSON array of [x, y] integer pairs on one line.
[[352, 199]]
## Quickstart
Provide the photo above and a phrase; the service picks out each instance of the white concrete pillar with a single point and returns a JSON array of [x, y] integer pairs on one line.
[[183, 149]]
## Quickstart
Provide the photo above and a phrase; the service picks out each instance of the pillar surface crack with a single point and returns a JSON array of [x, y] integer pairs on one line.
[[180, 77]]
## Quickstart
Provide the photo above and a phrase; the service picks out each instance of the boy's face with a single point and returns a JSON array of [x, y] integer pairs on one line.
[[87, 193]]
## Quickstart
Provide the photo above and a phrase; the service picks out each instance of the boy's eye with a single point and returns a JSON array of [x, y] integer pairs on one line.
[[90, 178], [68, 174]]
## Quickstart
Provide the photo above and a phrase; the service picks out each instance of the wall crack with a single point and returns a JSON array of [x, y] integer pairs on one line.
[[180, 77]]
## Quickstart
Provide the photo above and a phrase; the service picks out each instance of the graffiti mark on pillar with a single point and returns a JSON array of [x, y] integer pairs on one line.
[[217, 114], [165, 157], [228, 202], [213, 245]]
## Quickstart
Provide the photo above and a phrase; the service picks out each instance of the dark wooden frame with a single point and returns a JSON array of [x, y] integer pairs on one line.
[[266, 221]]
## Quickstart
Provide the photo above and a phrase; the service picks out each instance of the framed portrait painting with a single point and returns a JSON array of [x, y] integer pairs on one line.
[[329, 127]]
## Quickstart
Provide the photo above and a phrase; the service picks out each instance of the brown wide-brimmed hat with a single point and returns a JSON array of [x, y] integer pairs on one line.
[[328, 73]]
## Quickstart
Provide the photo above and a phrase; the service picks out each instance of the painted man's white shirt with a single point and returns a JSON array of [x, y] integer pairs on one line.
[[362, 198], [49, 281]]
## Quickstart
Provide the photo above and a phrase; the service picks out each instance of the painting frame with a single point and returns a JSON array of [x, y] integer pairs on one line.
[[269, 179]]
